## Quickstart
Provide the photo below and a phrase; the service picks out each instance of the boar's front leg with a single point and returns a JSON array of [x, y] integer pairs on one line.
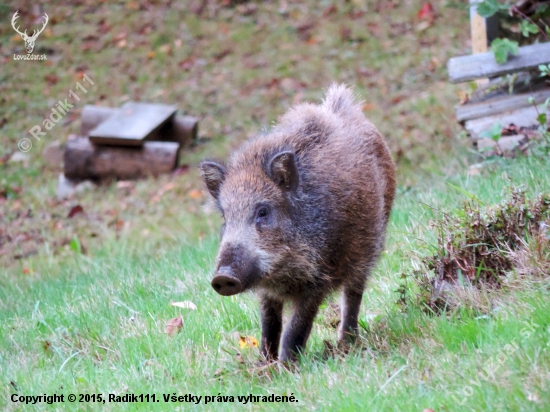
[[272, 324], [299, 327]]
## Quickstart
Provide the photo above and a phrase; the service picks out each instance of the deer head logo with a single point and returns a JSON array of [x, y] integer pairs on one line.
[[29, 40]]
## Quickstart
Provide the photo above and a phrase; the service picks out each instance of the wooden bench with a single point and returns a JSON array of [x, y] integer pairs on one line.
[[493, 102]]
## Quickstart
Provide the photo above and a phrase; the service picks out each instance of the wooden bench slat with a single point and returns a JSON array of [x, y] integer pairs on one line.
[[524, 117], [502, 104], [475, 66], [132, 124]]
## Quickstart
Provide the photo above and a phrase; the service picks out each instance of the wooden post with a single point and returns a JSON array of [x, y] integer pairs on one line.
[[483, 32]]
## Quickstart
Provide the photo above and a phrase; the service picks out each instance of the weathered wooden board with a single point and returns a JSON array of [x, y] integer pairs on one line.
[[516, 83], [133, 124], [524, 117], [494, 106], [93, 116], [505, 144], [84, 160], [475, 66]]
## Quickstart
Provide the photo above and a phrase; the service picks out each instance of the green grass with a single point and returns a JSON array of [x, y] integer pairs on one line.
[[94, 322], [96, 325]]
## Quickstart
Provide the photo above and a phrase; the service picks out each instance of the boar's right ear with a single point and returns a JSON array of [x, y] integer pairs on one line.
[[213, 174], [283, 171]]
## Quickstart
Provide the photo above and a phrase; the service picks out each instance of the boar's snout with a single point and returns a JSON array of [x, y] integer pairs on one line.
[[237, 270], [225, 283]]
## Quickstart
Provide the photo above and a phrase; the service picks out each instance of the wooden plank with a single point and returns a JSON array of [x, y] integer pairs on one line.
[[505, 145], [516, 83], [475, 66], [84, 160], [524, 117], [93, 116], [491, 107], [133, 124]]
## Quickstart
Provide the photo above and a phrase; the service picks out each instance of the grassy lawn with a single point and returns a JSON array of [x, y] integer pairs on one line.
[[84, 301]]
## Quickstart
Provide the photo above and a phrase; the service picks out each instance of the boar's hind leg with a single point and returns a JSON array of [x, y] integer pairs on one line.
[[351, 303], [272, 324], [298, 328]]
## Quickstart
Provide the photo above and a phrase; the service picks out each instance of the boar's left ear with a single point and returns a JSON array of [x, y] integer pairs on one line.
[[283, 171], [213, 174]]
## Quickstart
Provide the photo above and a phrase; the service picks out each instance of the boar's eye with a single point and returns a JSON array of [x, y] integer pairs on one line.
[[262, 213]]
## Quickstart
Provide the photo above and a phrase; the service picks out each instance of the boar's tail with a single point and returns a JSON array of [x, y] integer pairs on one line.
[[340, 100]]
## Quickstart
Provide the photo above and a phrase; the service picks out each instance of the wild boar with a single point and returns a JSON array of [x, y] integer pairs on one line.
[[305, 209]]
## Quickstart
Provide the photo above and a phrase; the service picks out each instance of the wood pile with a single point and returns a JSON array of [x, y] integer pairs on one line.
[[510, 94], [134, 141]]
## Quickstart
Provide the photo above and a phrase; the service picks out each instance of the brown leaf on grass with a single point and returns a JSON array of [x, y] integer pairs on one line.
[[330, 10], [368, 106], [304, 30], [51, 79], [219, 56], [120, 36], [195, 194], [174, 326], [166, 48], [75, 210], [426, 12], [166, 187]]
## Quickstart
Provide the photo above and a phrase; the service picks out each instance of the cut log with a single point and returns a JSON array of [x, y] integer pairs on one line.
[[525, 117], [93, 116], [492, 107], [84, 160], [133, 124], [475, 66]]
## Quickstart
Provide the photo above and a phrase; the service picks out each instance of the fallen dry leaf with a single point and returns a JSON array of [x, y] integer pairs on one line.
[[51, 79], [174, 325], [426, 12], [248, 342], [186, 304], [75, 210], [195, 194]]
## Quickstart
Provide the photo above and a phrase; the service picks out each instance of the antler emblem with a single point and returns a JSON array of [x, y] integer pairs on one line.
[[29, 40]]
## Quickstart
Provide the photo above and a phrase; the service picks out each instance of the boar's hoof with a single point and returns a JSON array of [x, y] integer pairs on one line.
[[226, 285]]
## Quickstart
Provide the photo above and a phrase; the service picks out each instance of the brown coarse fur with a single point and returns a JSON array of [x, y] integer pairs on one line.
[[306, 207]]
